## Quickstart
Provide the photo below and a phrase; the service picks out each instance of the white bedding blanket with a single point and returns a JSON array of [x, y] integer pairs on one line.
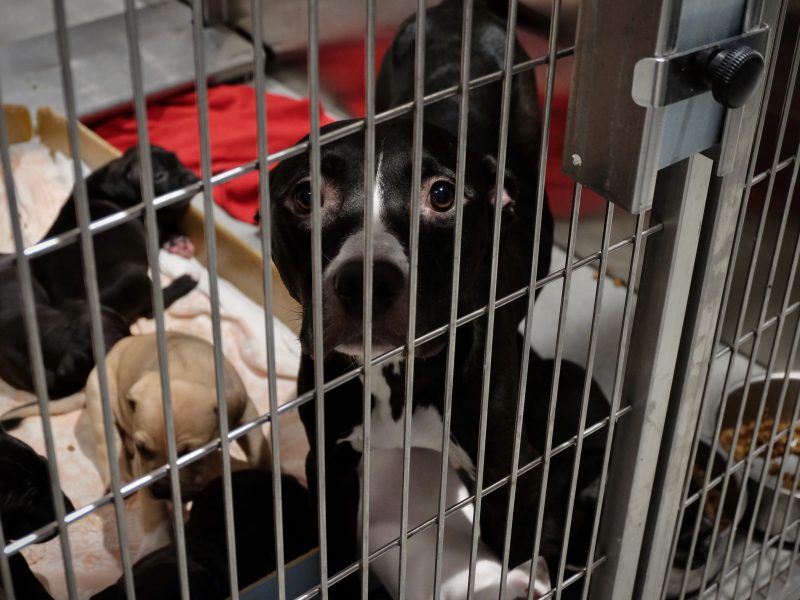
[[93, 538], [43, 182]]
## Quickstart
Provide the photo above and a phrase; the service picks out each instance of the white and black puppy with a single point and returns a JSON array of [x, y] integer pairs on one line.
[[343, 198]]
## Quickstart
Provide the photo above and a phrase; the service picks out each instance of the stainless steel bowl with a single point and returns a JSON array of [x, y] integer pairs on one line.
[[771, 484], [700, 558]]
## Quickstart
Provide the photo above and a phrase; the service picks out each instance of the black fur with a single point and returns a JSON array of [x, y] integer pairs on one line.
[[156, 575], [65, 338], [25, 505], [121, 252], [342, 194], [59, 290]]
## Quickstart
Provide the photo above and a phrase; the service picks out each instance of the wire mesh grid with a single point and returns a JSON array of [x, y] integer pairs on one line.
[[632, 244], [742, 452]]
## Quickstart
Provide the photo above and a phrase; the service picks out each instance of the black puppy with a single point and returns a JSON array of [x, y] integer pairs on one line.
[[65, 335], [25, 505], [156, 575], [122, 277], [120, 252]]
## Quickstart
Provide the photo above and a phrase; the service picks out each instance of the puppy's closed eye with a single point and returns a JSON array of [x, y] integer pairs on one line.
[[144, 451]]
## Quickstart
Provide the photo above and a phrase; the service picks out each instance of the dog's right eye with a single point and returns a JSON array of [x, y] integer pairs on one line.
[[301, 196], [442, 196], [145, 452]]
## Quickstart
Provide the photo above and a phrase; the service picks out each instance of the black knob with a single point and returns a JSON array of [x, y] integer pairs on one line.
[[732, 74]]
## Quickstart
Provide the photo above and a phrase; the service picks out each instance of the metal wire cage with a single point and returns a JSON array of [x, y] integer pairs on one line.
[[667, 329]]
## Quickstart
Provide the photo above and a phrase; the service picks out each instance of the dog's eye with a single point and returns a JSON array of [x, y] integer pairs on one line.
[[442, 196], [160, 177], [144, 451], [302, 197]]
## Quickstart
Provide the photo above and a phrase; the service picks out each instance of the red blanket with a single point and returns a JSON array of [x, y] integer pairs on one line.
[[232, 119], [173, 124]]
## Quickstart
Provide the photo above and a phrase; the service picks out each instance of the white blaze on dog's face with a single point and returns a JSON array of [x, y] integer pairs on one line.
[[196, 423], [342, 212]]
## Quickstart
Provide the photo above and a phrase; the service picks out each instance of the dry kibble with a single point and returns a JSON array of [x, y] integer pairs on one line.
[[712, 498], [763, 436]]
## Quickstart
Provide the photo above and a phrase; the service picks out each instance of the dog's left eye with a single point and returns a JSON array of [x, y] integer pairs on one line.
[[145, 452], [159, 177], [302, 197], [442, 196]]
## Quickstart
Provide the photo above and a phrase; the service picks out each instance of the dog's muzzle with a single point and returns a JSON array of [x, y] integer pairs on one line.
[[344, 295], [388, 284]]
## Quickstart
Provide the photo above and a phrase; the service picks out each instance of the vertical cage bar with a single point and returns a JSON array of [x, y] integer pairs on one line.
[[762, 317], [795, 417], [265, 234], [528, 329], [784, 463], [778, 411], [413, 260], [502, 146], [6, 579], [616, 396], [93, 298], [8, 179], [316, 286], [710, 291], [678, 204], [519, 418], [151, 228], [587, 383], [369, 216], [552, 49], [756, 342], [201, 87], [793, 561], [91, 283], [463, 114]]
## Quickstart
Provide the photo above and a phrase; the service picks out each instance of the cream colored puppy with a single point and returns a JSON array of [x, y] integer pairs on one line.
[[134, 386]]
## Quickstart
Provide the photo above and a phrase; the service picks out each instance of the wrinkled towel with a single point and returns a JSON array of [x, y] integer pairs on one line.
[[93, 538], [43, 182]]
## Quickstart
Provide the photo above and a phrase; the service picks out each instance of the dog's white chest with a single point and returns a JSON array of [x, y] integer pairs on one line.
[[386, 432]]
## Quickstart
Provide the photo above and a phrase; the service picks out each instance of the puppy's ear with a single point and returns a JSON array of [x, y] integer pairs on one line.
[[510, 191], [237, 402]]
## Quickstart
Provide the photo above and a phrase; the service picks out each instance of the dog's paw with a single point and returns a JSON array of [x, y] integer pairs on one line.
[[518, 580], [180, 245], [184, 284]]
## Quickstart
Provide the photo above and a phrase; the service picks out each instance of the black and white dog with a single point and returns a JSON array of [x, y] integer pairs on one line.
[[343, 198]]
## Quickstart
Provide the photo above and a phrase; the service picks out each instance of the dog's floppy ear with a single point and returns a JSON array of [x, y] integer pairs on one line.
[[510, 190]]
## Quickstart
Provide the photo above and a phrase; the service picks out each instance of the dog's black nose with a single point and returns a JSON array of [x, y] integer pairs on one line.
[[388, 282]]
